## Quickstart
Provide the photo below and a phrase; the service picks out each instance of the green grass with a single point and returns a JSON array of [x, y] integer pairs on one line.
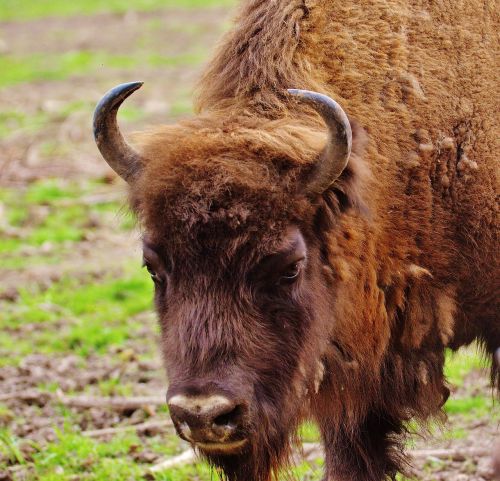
[[21, 123], [309, 433], [47, 212], [471, 407], [9, 447], [39, 67], [459, 364], [95, 315], [74, 454], [16, 121], [36, 67], [31, 9], [44, 66], [12, 259], [47, 191]]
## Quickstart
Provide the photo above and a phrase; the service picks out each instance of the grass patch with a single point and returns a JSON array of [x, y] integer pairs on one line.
[[31, 9], [470, 407], [9, 447], [309, 433], [93, 316], [74, 455], [48, 191], [48, 212], [457, 433], [182, 105], [15, 121], [114, 301], [39, 67], [14, 260], [21, 123], [459, 364], [9, 245]]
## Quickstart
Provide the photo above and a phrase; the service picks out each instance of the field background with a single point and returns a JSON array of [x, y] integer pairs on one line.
[[75, 305]]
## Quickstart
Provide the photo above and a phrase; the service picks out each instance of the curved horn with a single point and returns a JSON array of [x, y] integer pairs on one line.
[[124, 160], [335, 156]]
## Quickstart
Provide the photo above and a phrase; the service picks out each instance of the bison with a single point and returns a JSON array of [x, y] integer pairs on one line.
[[315, 263]]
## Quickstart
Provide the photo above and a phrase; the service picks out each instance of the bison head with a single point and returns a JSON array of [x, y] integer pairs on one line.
[[233, 212]]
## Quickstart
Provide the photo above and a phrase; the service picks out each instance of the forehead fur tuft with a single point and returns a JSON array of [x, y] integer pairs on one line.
[[203, 182]]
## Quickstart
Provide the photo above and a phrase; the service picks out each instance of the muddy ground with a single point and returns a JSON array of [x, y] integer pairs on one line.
[[165, 49]]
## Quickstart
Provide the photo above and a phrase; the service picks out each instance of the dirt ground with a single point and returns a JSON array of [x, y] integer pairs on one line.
[[59, 145], [469, 456]]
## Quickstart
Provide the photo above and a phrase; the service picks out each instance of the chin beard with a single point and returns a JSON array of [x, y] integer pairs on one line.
[[256, 463], [265, 454]]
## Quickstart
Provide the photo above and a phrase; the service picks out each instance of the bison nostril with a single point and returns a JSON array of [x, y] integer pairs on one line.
[[230, 419], [185, 431]]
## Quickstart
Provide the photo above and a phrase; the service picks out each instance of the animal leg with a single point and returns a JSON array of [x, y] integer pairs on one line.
[[368, 452]]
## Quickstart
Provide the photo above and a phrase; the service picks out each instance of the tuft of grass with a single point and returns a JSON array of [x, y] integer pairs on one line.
[[73, 455], [459, 364], [6, 415], [9, 447], [115, 387], [198, 472], [31, 9]]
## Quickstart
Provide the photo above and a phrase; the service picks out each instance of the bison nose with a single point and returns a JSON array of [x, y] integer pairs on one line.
[[206, 419]]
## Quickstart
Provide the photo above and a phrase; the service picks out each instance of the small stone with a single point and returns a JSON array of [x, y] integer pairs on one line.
[[485, 468], [5, 476], [4, 48]]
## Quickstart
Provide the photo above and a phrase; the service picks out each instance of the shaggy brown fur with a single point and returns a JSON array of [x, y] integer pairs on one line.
[[402, 250]]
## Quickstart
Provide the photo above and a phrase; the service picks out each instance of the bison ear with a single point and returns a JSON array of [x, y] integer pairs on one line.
[[124, 160], [335, 156], [351, 186], [359, 138]]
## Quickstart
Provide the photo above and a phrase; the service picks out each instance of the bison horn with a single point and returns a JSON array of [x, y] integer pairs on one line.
[[334, 158], [122, 158]]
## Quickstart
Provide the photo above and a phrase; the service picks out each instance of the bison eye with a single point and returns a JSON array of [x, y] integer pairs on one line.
[[291, 273], [157, 279]]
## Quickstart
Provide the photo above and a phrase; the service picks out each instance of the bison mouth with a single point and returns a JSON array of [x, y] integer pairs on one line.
[[221, 449]]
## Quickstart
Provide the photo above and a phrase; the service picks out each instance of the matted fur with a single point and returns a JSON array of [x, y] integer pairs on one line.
[[402, 250]]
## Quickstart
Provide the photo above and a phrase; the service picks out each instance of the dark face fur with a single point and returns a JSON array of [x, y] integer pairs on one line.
[[243, 284], [233, 338]]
